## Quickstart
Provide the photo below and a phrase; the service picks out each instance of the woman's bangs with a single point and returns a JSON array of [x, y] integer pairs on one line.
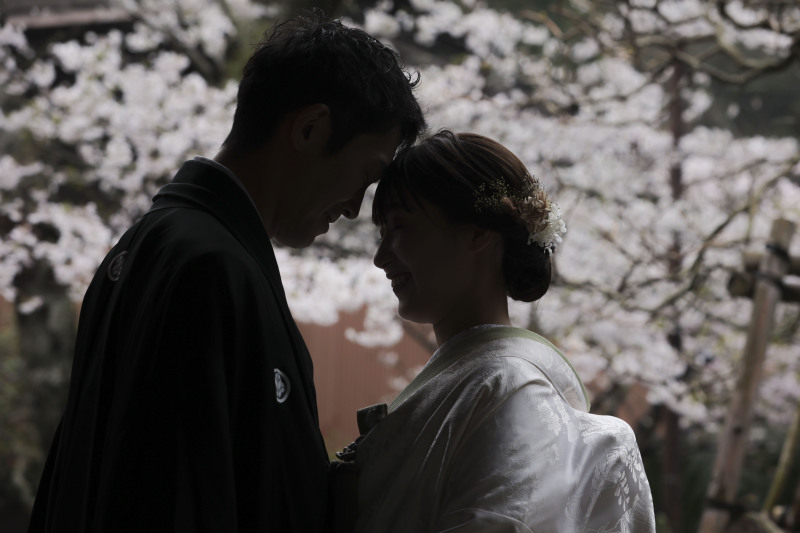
[[395, 189]]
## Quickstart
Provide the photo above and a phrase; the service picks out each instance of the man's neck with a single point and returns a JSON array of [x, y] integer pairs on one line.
[[259, 174]]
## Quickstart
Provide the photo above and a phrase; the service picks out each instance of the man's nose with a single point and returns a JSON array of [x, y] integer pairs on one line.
[[353, 206]]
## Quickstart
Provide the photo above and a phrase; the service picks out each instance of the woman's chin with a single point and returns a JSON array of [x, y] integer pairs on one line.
[[408, 312]]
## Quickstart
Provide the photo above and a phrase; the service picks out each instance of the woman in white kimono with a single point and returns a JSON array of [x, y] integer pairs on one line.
[[494, 435]]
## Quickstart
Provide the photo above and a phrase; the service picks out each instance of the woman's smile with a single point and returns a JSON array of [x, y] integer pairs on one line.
[[398, 279]]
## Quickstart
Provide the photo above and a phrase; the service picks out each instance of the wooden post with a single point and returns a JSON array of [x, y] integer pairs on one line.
[[794, 512], [784, 464], [732, 443]]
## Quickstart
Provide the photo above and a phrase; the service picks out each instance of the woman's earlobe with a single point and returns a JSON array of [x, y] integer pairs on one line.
[[483, 239]]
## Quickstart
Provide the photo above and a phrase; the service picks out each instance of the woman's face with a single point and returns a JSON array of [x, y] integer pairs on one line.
[[427, 259]]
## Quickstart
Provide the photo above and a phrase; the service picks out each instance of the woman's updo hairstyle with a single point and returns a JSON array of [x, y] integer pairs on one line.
[[459, 173]]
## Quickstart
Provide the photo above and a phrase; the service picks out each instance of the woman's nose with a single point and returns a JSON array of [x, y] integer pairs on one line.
[[382, 255]]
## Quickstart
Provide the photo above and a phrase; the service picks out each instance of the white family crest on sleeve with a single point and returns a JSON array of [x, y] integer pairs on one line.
[[282, 386]]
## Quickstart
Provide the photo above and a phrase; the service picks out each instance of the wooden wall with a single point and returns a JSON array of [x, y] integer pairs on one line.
[[349, 376]]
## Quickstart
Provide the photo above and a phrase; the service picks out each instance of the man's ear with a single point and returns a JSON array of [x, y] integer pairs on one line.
[[311, 128]]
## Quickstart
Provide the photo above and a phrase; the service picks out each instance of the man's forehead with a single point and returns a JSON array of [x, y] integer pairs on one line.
[[380, 162]]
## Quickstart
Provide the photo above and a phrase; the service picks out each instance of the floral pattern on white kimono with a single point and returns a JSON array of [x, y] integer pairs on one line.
[[494, 435]]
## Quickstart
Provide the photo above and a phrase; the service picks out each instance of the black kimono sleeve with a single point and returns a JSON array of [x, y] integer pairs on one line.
[[190, 437]]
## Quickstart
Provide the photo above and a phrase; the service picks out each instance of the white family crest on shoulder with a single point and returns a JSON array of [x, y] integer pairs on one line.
[[282, 386], [115, 266]]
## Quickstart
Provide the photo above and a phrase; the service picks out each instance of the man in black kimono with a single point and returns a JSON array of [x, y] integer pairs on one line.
[[191, 403]]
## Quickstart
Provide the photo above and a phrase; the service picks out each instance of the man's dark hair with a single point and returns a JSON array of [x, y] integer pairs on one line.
[[310, 59]]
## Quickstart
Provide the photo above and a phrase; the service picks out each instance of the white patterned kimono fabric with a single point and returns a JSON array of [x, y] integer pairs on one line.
[[494, 436]]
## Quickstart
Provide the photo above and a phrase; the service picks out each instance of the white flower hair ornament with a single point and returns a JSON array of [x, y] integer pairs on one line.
[[549, 236], [532, 209]]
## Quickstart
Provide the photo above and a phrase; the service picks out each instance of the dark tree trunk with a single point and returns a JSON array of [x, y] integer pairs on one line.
[[672, 466], [46, 334]]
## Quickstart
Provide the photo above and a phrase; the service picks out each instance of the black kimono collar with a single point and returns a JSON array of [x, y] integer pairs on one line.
[[210, 189], [201, 186]]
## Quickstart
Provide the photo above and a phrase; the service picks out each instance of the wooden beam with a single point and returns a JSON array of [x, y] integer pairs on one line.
[[72, 18], [752, 258], [743, 285]]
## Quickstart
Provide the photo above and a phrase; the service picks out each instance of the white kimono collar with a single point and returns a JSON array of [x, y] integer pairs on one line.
[[563, 377]]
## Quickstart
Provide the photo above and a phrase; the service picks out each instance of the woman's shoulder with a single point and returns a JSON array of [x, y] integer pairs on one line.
[[606, 430], [489, 378], [533, 358]]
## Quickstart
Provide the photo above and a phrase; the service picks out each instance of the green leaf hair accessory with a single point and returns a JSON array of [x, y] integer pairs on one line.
[[531, 208]]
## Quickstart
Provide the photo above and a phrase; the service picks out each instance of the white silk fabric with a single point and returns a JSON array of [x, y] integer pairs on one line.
[[496, 437]]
